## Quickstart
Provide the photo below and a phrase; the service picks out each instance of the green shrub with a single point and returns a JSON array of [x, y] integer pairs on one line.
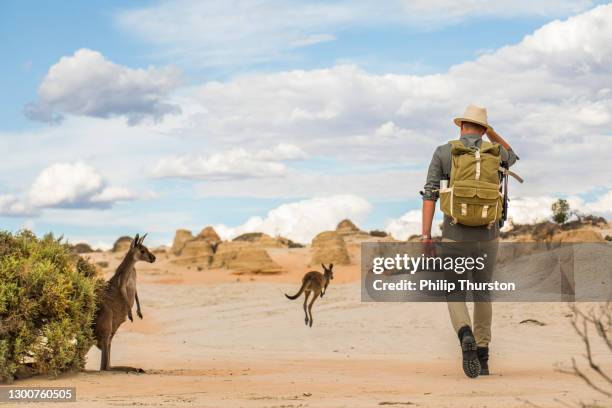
[[561, 211], [47, 303]]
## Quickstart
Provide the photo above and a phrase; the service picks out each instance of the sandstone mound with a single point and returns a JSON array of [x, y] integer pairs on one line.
[[582, 235], [196, 251], [160, 250], [263, 240], [329, 247], [122, 244], [347, 227], [209, 234], [180, 238], [244, 257]]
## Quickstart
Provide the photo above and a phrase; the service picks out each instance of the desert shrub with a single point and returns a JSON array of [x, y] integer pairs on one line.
[[290, 243], [82, 248], [249, 237], [378, 233], [47, 303]]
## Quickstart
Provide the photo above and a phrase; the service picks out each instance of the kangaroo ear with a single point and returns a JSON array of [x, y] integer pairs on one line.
[[134, 241], [143, 237], [331, 265], [323, 266]]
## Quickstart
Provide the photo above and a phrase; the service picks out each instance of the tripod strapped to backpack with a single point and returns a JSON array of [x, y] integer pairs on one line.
[[504, 172]]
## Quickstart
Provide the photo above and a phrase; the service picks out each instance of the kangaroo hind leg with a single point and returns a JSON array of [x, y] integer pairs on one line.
[[310, 307], [106, 348], [306, 295]]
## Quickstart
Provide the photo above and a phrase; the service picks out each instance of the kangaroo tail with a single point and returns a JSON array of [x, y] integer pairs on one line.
[[297, 295]]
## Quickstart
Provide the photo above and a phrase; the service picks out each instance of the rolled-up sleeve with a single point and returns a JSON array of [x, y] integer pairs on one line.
[[434, 174]]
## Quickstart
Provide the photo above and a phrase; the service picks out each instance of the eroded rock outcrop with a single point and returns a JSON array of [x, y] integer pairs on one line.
[[209, 234], [329, 247], [180, 238], [244, 257], [122, 244]]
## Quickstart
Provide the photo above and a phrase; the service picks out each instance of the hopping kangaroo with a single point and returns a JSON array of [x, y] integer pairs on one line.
[[117, 299], [317, 283]]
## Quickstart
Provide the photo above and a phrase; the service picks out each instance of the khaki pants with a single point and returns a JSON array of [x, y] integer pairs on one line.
[[483, 312]]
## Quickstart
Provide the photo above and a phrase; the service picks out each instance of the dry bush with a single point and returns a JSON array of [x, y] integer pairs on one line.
[[592, 325], [47, 303]]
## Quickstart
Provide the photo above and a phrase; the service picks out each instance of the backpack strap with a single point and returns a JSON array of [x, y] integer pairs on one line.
[[457, 147]]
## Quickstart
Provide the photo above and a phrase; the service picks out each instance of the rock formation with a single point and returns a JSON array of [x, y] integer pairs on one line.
[[244, 257], [581, 235], [347, 227], [209, 234], [261, 239], [122, 244], [196, 251], [180, 238], [329, 247]]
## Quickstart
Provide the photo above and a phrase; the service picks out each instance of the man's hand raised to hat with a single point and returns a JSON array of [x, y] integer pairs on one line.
[[496, 138]]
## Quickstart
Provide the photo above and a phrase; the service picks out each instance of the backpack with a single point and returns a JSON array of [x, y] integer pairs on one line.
[[473, 196]]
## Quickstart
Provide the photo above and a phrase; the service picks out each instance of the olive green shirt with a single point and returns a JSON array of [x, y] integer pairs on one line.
[[440, 167]]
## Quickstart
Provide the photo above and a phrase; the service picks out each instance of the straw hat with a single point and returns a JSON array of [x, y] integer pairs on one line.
[[474, 114]]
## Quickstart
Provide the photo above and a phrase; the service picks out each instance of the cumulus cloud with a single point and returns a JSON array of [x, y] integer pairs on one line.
[[302, 220], [88, 84], [230, 165], [209, 33], [527, 210], [547, 95], [410, 224], [74, 185], [12, 206]]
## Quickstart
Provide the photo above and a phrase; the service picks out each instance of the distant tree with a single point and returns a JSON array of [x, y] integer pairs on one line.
[[561, 211]]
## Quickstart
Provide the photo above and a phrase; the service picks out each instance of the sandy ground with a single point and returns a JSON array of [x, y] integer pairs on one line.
[[213, 339]]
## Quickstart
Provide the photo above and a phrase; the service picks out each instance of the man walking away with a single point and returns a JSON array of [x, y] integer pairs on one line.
[[469, 162]]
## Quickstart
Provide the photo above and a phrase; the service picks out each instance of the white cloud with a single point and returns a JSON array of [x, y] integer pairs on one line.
[[88, 84], [452, 10], [527, 210], [234, 164], [113, 194], [547, 95], [603, 204], [410, 224], [211, 33], [312, 39], [406, 225], [12, 206], [74, 185], [302, 220]]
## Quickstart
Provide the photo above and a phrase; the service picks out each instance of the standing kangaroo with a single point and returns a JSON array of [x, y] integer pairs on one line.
[[317, 283], [117, 300]]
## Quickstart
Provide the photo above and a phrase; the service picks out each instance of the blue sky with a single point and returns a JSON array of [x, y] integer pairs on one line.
[[304, 99]]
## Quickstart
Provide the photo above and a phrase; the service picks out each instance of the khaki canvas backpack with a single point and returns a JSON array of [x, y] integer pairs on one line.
[[473, 195]]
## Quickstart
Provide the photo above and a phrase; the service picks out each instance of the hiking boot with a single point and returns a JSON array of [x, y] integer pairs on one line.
[[471, 365], [483, 358]]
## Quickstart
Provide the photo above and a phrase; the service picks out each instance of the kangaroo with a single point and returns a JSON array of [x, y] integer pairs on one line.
[[317, 283], [117, 299]]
